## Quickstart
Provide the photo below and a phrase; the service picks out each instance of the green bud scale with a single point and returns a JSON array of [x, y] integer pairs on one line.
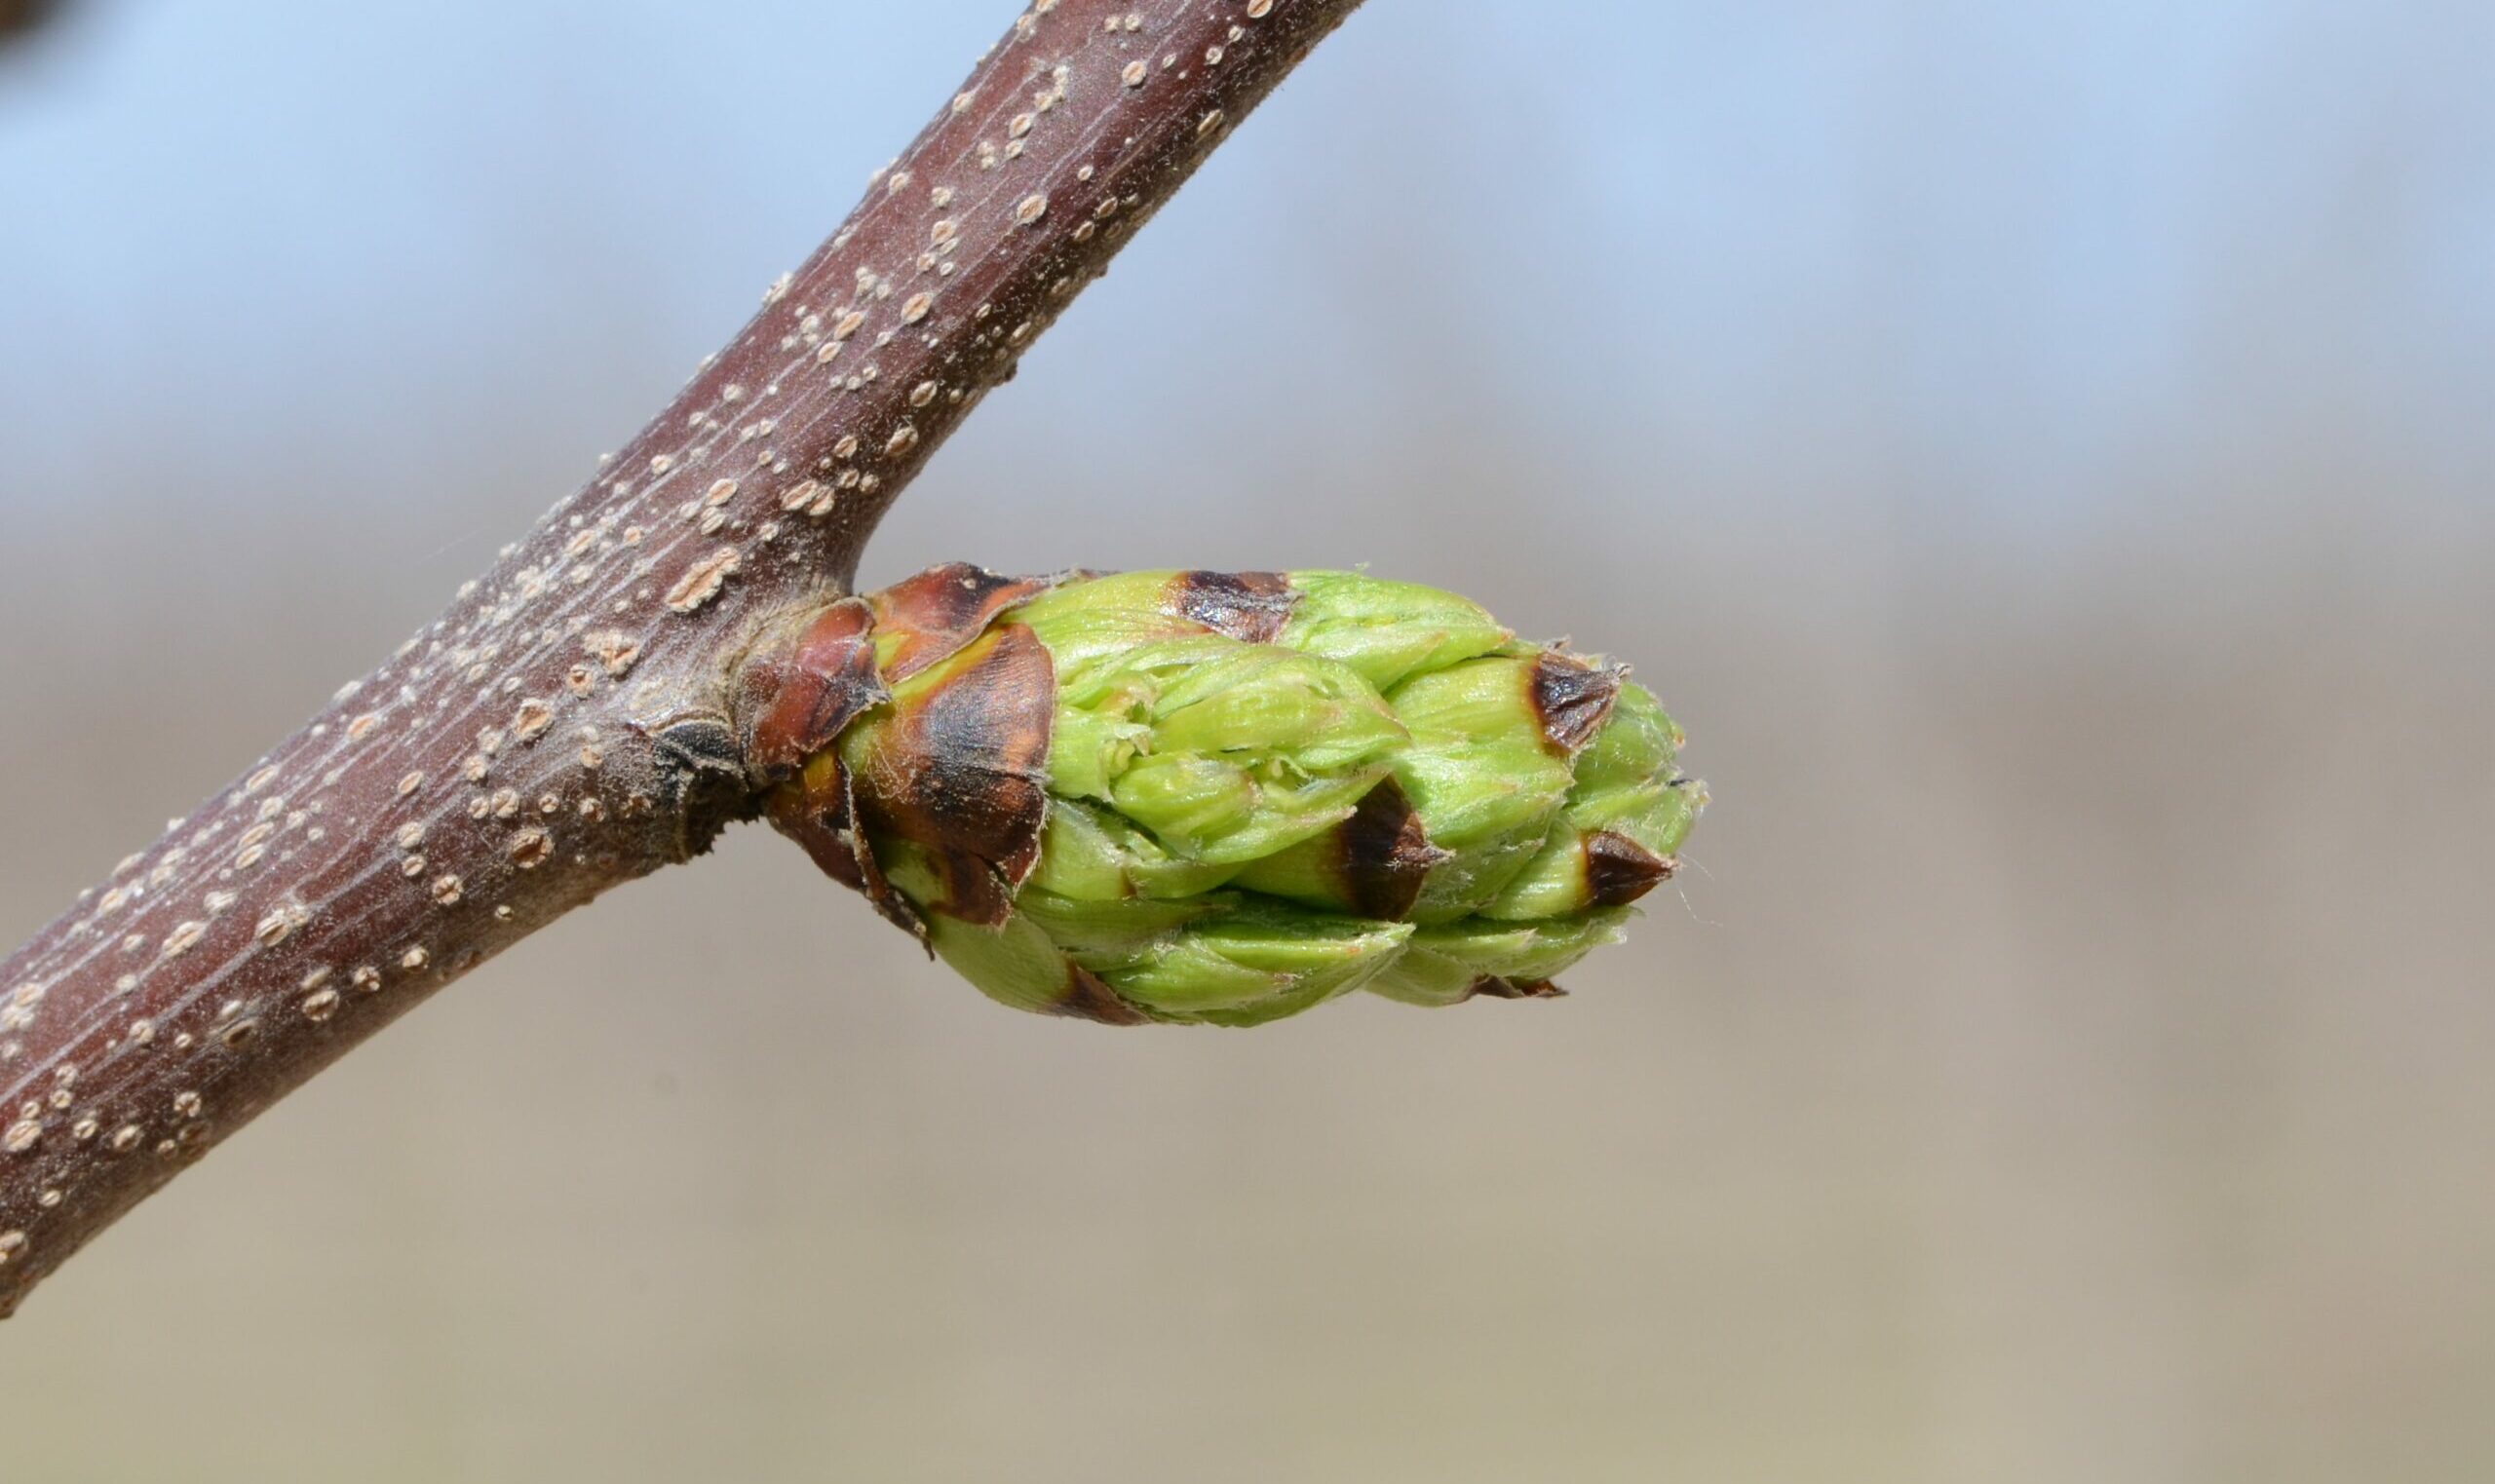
[[1218, 797]]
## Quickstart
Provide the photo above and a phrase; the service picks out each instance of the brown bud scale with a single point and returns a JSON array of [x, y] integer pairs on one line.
[[1382, 856], [1571, 699], [1619, 870], [1250, 607], [938, 612]]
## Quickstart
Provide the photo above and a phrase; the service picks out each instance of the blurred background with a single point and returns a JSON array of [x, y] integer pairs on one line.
[[2043, 453]]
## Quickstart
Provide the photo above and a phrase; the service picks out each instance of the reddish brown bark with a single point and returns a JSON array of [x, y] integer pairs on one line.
[[565, 725]]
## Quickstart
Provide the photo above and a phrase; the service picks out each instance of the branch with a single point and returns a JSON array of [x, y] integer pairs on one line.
[[21, 18], [564, 726]]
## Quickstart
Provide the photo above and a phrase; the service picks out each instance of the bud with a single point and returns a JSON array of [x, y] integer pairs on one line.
[[1223, 798]]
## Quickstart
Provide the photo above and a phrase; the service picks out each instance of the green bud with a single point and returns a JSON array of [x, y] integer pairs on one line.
[[1248, 749], [1625, 810], [1228, 798], [1239, 961], [1386, 630], [1224, 751], [1447, 965], [1015, 963], [1482, 774], [1091, 852]]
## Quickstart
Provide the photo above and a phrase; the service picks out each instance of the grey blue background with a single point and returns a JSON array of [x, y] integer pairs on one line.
[[2040, 451]]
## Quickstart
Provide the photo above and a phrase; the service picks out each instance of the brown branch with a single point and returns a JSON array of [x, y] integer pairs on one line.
[[19, 17], [563, 727]]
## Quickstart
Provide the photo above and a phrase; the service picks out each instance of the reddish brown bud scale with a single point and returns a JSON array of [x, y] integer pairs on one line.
[[1250, 607], [809, 692], [1382, 854], [1619, 870], [1089, 997], [1492, 987], [819, 812], [935, 613], [961, 768], [1571, 698]]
